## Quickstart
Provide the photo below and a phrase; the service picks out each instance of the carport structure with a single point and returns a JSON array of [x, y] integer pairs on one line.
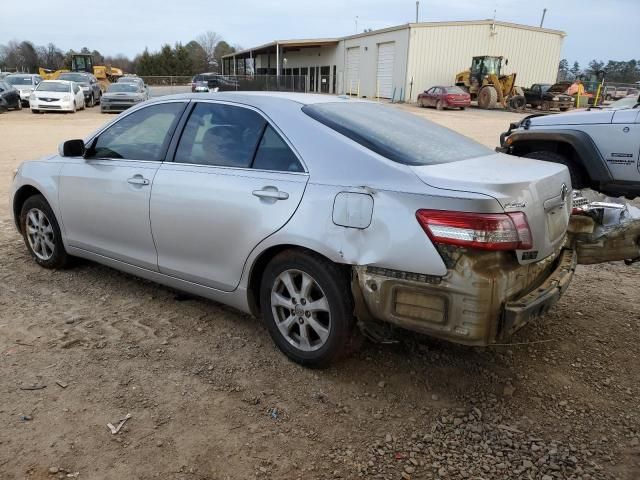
[[311, 58]]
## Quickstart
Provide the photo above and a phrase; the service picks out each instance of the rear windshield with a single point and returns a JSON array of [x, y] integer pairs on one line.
[[396, 135], [18, 80], [53, 87], [454, 89]]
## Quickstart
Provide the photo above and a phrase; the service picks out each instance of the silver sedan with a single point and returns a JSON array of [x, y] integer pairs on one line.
[[326, 216]]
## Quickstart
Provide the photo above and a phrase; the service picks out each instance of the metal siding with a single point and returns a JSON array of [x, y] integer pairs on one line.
[[384, 76], [437, 53], [368, 66], [352, 75]]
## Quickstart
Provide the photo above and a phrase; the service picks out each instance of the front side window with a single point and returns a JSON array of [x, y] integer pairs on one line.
[[141, 135], [221, 135]]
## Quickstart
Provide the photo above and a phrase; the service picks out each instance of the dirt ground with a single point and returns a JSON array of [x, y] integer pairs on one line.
[[210, 397]]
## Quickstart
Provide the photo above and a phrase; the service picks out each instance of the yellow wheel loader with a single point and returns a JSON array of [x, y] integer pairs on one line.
[[488, 86], [84, 63]]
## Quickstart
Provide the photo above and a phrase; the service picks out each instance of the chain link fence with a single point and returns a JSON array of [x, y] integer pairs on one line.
[[172, 84]]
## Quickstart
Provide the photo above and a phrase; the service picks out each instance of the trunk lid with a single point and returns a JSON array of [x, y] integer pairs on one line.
[[539, 189]]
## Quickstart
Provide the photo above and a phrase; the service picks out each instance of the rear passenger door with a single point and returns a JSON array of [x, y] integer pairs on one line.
[[234, 181]]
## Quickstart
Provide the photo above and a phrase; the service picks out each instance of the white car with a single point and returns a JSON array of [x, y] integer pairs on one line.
[[57, 95]]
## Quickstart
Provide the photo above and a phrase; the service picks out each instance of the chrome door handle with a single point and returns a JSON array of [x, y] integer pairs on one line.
[[271, 193], [138, 180]]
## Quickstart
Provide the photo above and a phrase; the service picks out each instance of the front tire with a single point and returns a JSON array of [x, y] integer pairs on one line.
[[41, 233], [92, 101], [307, 307], [439, 105], [577, 178], [488, 97]]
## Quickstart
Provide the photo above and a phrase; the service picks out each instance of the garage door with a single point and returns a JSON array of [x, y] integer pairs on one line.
[[353, 70], [386, 54]]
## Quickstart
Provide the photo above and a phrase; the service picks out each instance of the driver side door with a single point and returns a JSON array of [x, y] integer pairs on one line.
[[104, 197]]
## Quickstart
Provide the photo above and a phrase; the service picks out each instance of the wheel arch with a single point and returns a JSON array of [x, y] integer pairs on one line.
[[576, 146], [21, 196], [260, 263]]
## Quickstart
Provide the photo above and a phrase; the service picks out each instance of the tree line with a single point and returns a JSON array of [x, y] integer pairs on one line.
[[615, 71], [203, 54]]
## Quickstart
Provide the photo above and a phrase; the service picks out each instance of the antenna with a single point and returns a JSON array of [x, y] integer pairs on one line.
[[544, 12], [356, 24], [417, 11]]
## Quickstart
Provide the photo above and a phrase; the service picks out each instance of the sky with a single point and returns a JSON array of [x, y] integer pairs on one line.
[[600, 29]]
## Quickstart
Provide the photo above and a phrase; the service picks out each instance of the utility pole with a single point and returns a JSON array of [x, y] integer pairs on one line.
[[544, 12], [417, 10]]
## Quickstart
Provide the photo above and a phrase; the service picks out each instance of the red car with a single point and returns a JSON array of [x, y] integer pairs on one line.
[[444, 97]]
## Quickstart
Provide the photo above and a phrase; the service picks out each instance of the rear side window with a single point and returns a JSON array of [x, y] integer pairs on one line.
[[394, 134], [274, 154], [230, 136], [221, 135]]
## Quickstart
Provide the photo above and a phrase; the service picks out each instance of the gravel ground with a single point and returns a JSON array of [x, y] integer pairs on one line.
[[211, 398]]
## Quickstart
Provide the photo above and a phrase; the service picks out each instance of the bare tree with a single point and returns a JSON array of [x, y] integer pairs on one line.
[[208, 41]]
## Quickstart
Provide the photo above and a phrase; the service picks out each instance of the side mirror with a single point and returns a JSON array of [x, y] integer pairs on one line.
[[506, 61], [72, 148]]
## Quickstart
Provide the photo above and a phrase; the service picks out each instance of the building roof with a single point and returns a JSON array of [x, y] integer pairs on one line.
[[302, 43], [319, 42]]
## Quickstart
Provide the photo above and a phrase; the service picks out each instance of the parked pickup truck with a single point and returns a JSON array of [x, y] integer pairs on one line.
[[599, 147], [547, 96]]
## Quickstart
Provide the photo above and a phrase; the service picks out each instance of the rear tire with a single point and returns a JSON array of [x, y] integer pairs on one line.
[[35, 111], [577, 178], [487, 97], [307, 306], [564, 109], [41, 233], [19, 105]]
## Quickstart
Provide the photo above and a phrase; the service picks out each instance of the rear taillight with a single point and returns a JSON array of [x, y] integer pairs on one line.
[[486, 231]]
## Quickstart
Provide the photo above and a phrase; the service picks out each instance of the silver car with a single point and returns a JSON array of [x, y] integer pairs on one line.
[[323, 215], [25, 83]]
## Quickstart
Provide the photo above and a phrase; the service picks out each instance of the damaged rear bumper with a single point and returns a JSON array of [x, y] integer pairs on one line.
[[484, 298]]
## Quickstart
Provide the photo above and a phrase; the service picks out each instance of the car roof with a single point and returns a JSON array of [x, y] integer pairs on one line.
[[252, 98], [57, 81]]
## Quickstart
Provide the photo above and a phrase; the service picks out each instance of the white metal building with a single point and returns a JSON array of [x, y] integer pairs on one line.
[[402, 61]]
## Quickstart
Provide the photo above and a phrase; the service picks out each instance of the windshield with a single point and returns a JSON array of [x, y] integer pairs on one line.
[[559, 87], [398, 136], [75, 77], [19, 80], [625, 102], [122, 87], [129, 80], [53, 87], [544, 87]]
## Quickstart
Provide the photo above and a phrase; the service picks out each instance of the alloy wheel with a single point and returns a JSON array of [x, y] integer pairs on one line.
[[301, 310], [40, 234]]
